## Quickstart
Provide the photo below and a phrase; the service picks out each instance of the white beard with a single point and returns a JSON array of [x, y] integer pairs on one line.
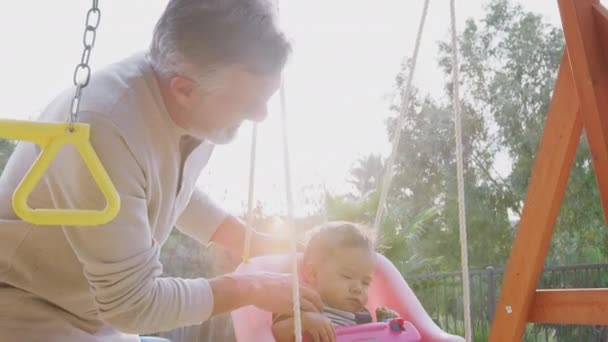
[[223, 136]]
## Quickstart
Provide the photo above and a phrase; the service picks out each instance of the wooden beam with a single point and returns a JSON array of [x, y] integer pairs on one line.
[[590, 72], [554, 159], [600, 18], [572, 306]]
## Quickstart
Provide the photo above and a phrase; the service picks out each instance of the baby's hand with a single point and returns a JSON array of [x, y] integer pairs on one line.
[[319, 327], [384, 313]]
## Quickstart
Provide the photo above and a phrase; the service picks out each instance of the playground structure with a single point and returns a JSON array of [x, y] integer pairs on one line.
[[253, 324]]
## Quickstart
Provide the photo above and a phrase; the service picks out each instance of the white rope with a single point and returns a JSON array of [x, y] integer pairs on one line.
[[405, 103], [462, 222], [290, 212], [295, 285], [252, 159], [290, 215]]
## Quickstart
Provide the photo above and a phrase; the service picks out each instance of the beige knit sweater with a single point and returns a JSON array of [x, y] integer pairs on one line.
[[87, 284]]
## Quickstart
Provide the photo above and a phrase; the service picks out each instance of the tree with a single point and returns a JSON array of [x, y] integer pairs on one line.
[[366, 174], [509, 61], [509, 64], [425, 177]]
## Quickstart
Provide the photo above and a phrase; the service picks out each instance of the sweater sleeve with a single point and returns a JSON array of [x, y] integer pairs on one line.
[[201, 218], [120, 259]]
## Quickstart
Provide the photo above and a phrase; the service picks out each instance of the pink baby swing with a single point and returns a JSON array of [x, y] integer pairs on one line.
[[253, 324], [388, 287]]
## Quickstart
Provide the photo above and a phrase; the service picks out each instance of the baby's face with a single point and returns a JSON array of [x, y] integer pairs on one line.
[[343, 280]]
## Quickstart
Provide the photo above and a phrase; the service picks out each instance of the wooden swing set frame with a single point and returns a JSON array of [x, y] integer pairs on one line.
[[579, 101]]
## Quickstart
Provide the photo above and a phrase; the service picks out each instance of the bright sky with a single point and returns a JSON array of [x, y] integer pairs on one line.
[[339, 82]]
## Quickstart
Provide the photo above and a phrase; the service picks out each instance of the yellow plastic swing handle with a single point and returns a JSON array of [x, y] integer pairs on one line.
[[51, 137]]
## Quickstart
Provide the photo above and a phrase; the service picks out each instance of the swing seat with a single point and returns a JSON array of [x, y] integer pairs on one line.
[[387, 289]]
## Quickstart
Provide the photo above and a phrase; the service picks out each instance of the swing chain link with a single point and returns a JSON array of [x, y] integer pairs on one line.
[[82, 73]]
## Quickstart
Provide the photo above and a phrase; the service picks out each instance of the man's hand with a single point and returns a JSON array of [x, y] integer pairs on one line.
[[273, 292], [318, 327]]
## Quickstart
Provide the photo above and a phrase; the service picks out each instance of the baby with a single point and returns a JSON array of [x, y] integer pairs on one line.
[[339, 264]]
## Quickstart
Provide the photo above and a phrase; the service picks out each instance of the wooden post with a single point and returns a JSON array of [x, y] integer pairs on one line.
[[555, 155], [589, 69]]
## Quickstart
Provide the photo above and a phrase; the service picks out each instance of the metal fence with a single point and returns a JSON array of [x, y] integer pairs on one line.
[[441, 295]]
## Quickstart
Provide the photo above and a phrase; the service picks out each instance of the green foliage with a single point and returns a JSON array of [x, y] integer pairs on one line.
[[367, 173], [509, 60], [401, 244], [6, 149], [425, 177], [183, 257], [509, 63]]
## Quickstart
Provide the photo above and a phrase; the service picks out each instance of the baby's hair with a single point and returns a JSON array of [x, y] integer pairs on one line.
[[333, 236]]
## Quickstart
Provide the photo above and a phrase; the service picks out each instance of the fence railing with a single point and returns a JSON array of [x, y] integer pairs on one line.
[[441, 295]]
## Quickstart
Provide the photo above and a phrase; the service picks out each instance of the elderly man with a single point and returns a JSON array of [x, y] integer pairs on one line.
[[155, 118]]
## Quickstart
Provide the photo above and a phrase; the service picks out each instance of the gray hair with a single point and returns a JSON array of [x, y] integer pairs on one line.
[[198, 38]]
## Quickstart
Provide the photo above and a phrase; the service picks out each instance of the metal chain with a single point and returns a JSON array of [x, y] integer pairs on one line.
[[82, 73]]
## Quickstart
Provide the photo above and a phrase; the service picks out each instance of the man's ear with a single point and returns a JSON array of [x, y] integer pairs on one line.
[[184, 92]]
